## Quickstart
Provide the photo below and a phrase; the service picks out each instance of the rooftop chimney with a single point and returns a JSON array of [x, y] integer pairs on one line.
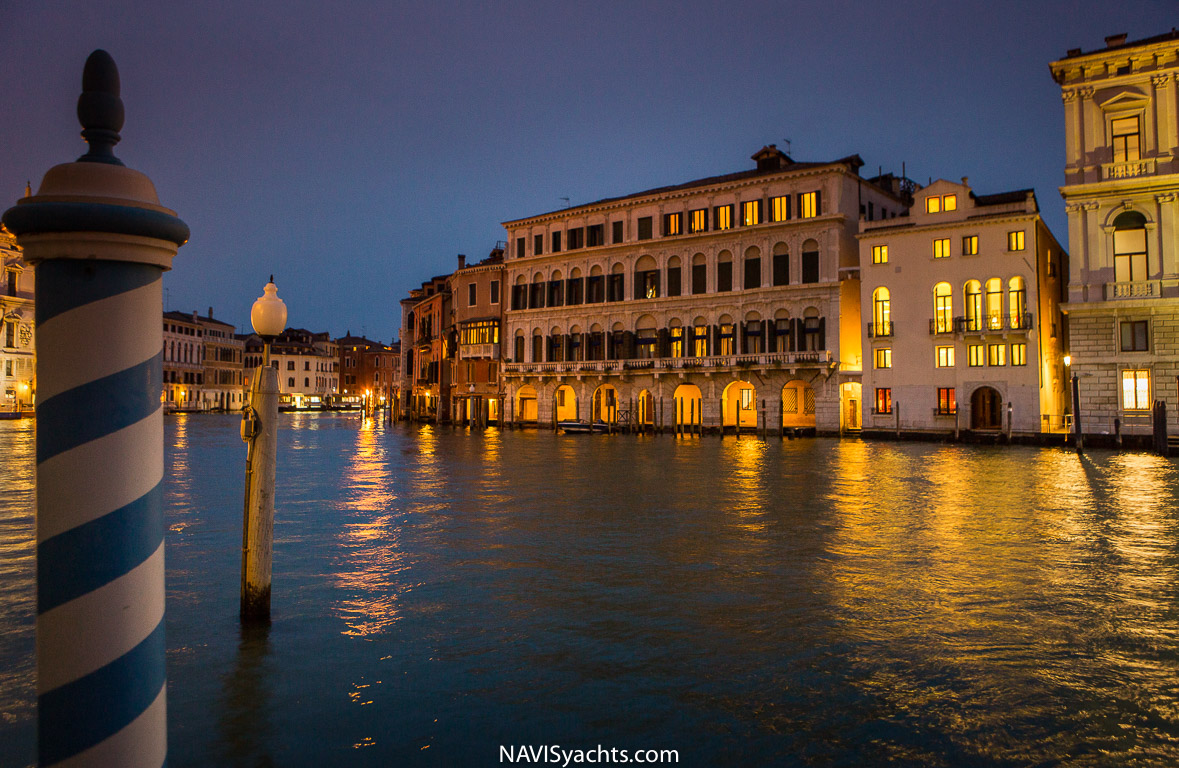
[[462, 259], [210, 313], [1114, 40]]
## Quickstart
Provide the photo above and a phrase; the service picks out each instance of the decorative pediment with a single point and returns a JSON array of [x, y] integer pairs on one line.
[[1125, 100]]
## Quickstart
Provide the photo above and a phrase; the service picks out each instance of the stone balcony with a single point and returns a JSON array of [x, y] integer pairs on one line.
[[1138, 289], [478, 351], [659, 365], [1128, 169]]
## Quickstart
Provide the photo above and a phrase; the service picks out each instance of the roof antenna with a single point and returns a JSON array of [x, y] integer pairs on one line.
[[566, 201], [787, 145]]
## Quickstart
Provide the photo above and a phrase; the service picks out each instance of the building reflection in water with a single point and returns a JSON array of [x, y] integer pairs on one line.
[[371, 560], [244, 723]]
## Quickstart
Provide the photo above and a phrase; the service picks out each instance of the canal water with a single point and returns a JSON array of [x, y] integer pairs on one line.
[[438, 594]]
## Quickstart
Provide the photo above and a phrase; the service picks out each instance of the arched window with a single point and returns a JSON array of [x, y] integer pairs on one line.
[[881, 313], [994, 304], [972, 295], [943, 308], [1017, 301], [1130, 247]]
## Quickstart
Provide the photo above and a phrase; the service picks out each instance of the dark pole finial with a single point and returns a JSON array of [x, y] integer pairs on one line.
[[272, 278], [100, 110]]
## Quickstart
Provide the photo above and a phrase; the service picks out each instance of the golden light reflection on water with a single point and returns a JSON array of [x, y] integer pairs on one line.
[[178, 467], [371, 558]]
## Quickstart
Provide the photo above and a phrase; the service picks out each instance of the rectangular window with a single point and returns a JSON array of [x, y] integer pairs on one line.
[[495, 291], [519, 297], [727, 340], [947, 405], [645, 228], [595, 235], [722, 217], [996, 354], [747, 399], [595, 289], [781, 269], [537, 245], [933, 204], [673, 281], [576, 238], [970, 245], [614, 288], [880, 254], [471, 295], [1136, 390], [673, 224], [699, 278], [676, 341], [950, 203], [616, 232], [810, 266], [700, 341], [573, 291], [883, 400], [10, 334], [808, 205], [519, 247], [556, 242], [750, 213], [1134, 336], [882, 358], [1015, 240], [1019, 353], [752, 274], [1125, 139], [724, 276], [941, 248], [945, 357], [975, 356], [780, 208], [698, 220]]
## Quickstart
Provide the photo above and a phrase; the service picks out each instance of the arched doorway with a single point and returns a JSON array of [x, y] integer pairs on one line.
[[739, 405], [566, 403], [646, 409], [605, 404], [986, 409], [687, 403], [798, 405], [526, 403]]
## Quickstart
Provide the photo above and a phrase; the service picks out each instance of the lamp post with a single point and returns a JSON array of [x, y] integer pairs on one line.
[[260, 432], [100, 242], [1078, 439]]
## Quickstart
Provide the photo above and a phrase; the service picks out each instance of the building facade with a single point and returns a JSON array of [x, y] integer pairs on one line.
[[307, 363], [369, 369], [477, 305], [224, 366], [426, 347], [184, 362], [962, 327], [18, 360], [1121, 193], [707, 303]]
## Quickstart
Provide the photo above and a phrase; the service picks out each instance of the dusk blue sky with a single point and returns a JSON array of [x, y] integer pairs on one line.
[[353, 149]]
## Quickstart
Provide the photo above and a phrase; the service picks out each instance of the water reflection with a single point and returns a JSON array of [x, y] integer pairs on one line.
[[243, 717]]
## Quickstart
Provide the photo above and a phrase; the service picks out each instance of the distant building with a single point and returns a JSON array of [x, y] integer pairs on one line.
[[962, 322], [696, 303], [18, 360], [477, 305], [183, 362], [308, 366], [1121, 192], [426, 351], [369, 368], [224, 366]]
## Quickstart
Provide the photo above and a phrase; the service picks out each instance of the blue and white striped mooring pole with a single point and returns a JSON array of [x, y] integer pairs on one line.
[[100, 241]]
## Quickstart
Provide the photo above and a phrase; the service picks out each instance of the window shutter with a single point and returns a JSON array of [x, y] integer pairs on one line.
[[628, 338], [771, 332], [639, 279], [818, 202], [663, 348], [822, 333], [716, 340], [799, 329], [743, 341]]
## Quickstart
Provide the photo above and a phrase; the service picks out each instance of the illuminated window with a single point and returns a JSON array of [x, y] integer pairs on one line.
[[698, 220], [881, 313], [883, 400], [947, 404], [727, 342], [676, 339], [722, 217], [1017, 295], [700, 341], [673, 224], [1129, 241], [882, 358], [941, 248], [950, 203], [1134, 336], [996, 354], [1015, 240], [943, 308], [975, 356], [1019, 354], [1125, 139], [974, 305], [483, 332], [808, 205], [1136, 390], [880, 254], [645, 228], [970, 245], [780, 208], [933, 204], [747, 399], [750, 213], [945, 357]]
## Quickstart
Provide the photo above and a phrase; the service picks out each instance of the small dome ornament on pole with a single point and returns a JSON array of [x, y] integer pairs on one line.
[[268, 316]]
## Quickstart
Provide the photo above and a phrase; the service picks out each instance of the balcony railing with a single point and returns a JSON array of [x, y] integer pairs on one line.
[[1128, 169], [989, 323], [1139, 289], [713, 362], [880, 330]]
